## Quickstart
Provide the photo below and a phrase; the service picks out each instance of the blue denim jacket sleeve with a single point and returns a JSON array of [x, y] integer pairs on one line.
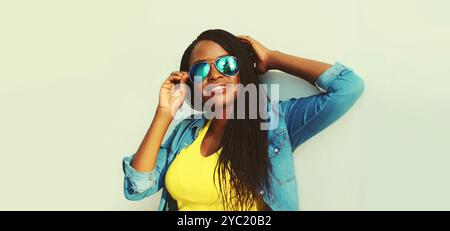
[[306, 116], [138, 185]]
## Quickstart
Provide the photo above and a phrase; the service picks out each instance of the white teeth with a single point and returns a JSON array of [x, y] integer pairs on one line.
[[218, 88]]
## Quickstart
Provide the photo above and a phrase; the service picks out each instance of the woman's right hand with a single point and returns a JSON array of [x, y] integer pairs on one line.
[[173, 92]]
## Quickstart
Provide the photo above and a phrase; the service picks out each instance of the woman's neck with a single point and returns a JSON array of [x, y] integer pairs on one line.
[[218, 125]]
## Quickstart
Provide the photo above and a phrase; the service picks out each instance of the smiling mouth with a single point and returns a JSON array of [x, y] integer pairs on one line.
[[214, 89], [218, 89]]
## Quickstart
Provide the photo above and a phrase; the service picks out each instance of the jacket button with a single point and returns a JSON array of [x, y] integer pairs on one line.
[[276, 150], [261, 192]]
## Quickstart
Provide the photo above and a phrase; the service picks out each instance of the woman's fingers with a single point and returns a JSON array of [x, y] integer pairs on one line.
[[177, 76], [183, 81], [175, 82], [178, 72], [173, 79], [184, 78], [245, 38]]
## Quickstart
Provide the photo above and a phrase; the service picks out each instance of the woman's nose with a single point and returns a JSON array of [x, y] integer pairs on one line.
[[215, 74]]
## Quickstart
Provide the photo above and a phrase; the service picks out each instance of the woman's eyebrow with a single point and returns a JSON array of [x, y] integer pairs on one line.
[[201, 60]]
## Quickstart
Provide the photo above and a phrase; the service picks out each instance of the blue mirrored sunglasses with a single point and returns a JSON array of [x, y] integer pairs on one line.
[[227, 65]]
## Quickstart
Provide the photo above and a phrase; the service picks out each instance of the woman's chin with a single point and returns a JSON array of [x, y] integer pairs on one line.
[[218, 106]]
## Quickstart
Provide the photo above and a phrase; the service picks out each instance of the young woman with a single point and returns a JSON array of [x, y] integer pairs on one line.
[[230, 163]]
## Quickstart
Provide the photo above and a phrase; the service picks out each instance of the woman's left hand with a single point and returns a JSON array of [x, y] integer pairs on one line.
[[261, 52]]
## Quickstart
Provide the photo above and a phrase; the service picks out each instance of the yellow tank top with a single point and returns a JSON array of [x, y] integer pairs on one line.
[[189, 179]]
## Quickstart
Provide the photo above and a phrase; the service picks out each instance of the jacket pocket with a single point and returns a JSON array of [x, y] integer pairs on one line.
[[277, 142], [280, 157]]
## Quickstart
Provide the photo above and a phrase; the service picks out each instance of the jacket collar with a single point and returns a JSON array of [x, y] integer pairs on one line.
[[197, 124]]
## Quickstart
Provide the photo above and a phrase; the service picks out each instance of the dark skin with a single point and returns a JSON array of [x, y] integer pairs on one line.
[[146, 156], [147, 153], [209, 50], [266, 60]]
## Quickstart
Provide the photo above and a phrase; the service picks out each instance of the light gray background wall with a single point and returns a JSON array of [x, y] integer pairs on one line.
[[79, 82]]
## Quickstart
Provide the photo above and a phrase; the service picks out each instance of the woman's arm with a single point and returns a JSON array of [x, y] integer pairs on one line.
[[267, 59], [144, 169], [307, 69], [140, 184], [307, 116], [145, 158]]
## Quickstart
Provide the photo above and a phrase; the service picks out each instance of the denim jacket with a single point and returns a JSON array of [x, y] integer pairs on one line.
[[298, 120]]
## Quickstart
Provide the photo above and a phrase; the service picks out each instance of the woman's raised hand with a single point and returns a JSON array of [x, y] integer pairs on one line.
[[262, 53], [172, 92]]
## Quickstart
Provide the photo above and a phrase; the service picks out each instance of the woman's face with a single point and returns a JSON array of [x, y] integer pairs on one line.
[[217, 87]]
